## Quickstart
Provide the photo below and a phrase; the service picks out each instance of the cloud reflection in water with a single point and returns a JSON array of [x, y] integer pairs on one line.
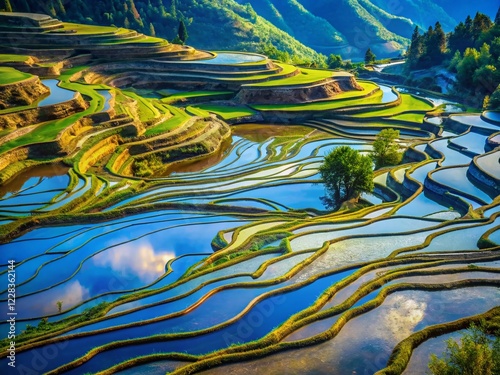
[[135, 259]]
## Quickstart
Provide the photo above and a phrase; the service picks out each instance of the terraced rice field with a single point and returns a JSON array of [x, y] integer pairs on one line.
[[153, 238]]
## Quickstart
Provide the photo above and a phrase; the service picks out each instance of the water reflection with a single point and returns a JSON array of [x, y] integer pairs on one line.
[[53, 176], [135, 259]]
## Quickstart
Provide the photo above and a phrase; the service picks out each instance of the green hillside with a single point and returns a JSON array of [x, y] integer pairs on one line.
[[222, 24], [292, 17], [369, 30], [302, 28]]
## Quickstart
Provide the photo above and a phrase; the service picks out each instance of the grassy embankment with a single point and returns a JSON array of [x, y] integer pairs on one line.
[[11, 75]]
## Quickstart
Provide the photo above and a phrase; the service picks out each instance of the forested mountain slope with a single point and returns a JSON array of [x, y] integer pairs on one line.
[[303, 28]]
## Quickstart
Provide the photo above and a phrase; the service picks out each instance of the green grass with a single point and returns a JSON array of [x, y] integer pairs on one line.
[[13, 58], [150, 39], [179, 118], [323, 105], [91, 29], [367, 86], [286, 70], [193, 94], [147, 110], [409, 103], [411, 117], [306, 76], [11, 75], [197, 111], [66, 74], [227, 112]]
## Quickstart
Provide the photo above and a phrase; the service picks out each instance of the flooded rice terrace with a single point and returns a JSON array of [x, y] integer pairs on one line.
[[287, 270]]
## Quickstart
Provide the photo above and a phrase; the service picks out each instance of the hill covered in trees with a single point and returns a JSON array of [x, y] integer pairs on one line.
[[215, 25], [471, 52], [302, 28]]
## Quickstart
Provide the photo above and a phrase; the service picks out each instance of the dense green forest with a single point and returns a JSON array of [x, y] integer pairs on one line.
[[471, 51]]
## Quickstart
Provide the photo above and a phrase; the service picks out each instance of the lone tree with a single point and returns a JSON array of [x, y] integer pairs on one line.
[[59, 305], [346, 174], [386, 149], [370, 57], [476, 354], [182, 33]]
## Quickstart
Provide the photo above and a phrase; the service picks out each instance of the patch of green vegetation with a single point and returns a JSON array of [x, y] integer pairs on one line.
[[146, 109], [194, 94], [66, 74], [11, 75], [346, 173], [368, 87], [306, 76], [227, 112], [408, 103], [91, 29], [197, 111], [146, 166], [179, 118], [321, 105], [13, 58], [410, 117]]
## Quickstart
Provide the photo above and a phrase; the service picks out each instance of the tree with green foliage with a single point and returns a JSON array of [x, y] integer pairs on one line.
[[369, 57], [461, 38], [182, 33], [59, 306], [467, 67], [177, 40], [386, 149], [152, 31], [436, 48], [335, 61], [173, 8], [494, 102], [272, 52], [415, 50], [480, 24], [476, 354], [5, 6], [457, 57], [346, 174]]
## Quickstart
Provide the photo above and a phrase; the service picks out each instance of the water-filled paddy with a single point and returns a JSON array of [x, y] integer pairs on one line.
[[224, 58], [269, 312], [492, 116], [457, 178], [36, 179], [57, 94], [271, 168], [490, 163], [359, 349], [421, 354], [451, 157], [471, 141], [476, 121]]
